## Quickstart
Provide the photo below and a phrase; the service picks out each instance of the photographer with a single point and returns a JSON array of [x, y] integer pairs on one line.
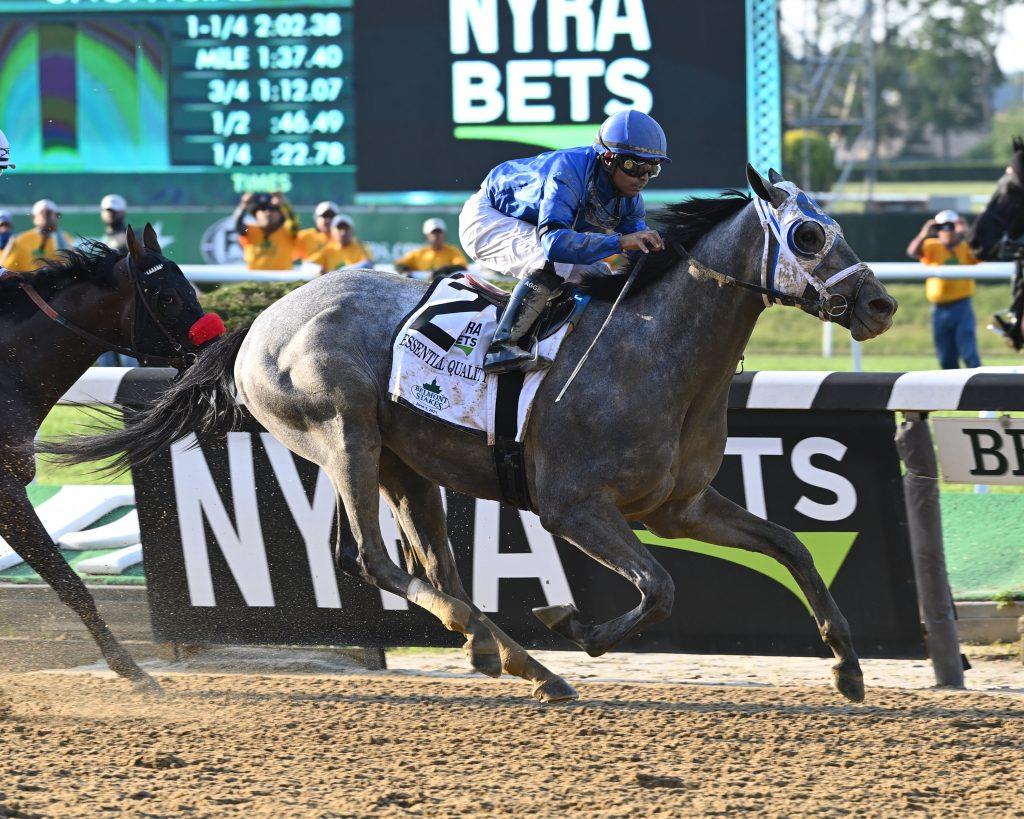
[[940, 242], [268, 242]]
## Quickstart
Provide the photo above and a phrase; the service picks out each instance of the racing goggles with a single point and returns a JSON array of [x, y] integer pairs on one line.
[[631, 166]]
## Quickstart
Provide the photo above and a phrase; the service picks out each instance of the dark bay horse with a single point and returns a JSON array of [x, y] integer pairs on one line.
[[54, 322], [998, 235], [638, 437]]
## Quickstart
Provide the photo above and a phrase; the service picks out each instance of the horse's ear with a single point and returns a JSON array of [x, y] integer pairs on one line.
[[775, 177], [150, 240], [763, 189], [1018, 144], [135, 249]]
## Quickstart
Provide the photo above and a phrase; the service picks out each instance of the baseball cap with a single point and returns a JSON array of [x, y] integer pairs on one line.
[[947, 216], [5, 216], [115, 202], [342, 219], [434, 224], [45, 204], [326, 207]]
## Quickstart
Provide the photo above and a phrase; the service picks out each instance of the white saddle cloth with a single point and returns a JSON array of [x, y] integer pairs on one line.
[[438, 357]]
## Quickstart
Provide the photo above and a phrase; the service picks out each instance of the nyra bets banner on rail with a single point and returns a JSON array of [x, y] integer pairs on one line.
[[238, 537]]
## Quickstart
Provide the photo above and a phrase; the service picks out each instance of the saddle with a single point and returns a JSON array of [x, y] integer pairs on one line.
[[564, 308]]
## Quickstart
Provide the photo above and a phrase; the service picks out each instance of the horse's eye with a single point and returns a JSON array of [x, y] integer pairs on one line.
[[809, 238], [168, 303]]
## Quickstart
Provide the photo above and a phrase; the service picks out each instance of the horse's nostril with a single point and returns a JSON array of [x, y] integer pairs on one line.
[[883, 306]]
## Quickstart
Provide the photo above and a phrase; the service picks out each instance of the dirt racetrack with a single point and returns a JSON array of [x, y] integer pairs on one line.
[[378, 744]]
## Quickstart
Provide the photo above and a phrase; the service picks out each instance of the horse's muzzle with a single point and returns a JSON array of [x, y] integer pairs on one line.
[[872, 312]]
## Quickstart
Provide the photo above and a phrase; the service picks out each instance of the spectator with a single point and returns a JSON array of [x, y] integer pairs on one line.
[[435, 254], [28, 250], [344, 250], [268, 243], [5, 229], [113, 209], [314, 239], [941, 242]]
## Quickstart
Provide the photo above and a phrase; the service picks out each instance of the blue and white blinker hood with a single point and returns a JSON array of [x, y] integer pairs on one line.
[[785, 270]]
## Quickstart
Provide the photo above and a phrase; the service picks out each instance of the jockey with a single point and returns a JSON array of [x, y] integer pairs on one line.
[[552, 218]]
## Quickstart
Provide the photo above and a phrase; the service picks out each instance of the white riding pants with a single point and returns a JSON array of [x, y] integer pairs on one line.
[[511, 246]]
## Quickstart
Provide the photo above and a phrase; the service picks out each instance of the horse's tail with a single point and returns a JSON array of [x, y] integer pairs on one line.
[[201, 401]]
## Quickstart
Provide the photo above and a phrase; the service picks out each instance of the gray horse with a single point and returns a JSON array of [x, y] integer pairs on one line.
[[638, 437]]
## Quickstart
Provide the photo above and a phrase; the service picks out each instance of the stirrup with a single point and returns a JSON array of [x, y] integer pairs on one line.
[[515, 358]]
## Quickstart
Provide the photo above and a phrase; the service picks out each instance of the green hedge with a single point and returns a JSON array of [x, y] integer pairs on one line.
[[239, 304], [979, 170]]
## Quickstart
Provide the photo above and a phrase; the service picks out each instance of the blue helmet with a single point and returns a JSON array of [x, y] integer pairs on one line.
[[632, 132]]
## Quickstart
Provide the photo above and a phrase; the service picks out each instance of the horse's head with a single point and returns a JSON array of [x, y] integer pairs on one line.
[[164, 319], [807, 258], [999, 231]]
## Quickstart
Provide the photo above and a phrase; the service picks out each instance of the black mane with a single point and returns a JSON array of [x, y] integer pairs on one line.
[[91, 262], [684, 222]]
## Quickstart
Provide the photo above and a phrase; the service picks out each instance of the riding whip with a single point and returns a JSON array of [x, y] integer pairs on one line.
[[619, 298]]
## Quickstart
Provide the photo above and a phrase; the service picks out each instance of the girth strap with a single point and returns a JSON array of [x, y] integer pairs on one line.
[[509, 454]]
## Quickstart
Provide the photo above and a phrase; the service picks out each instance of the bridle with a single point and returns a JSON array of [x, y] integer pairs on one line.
[[181, 361], [827, 306]]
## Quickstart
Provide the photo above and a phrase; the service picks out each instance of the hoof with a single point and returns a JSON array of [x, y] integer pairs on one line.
[[556, 618], [483, 654], [555, 690], [147, 685], [848, 681]]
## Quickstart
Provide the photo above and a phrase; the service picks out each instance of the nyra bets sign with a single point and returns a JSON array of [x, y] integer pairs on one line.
[[238, 536], [472, 83]]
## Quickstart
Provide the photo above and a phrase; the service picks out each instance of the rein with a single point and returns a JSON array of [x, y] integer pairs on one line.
[[827, 305], [179, 362]]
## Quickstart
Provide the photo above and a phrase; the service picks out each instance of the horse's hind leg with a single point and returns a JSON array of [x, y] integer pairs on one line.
[[715, 519], [597, 528], [416, 505], [22, 529], [353, 467]]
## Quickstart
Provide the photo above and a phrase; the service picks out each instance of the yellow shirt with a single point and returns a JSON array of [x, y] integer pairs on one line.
[[28, 250], [426, 258], [309, 241], [943, 291], [273, 252], [335, 255]]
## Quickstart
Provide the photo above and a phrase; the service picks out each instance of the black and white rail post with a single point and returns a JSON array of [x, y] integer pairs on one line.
[[924, 519]]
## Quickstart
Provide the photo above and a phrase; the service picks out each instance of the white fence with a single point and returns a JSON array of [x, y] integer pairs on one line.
[[885, 271]]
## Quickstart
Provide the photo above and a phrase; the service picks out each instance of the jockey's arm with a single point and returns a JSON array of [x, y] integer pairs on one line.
[[634, 222], [559, 206]]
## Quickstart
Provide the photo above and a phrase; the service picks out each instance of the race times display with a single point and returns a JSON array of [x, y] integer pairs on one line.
[[261, 89]]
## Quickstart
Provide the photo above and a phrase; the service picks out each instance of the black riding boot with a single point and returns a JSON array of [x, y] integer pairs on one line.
[[524, 307]]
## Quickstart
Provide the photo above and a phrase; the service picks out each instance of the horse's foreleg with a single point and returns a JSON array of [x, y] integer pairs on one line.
[[22, 529], [715, 519], [598, 529], [353, 468], [416, 505]]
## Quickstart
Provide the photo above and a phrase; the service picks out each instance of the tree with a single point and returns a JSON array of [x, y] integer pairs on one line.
[[800, 147], [935, 69]]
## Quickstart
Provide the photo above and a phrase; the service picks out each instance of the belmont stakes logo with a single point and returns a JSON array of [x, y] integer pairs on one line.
[[430, 395]]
